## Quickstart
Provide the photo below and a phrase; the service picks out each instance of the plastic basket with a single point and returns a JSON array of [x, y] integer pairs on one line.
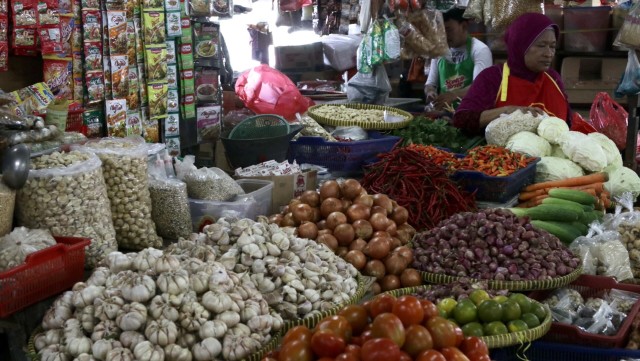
[[260, 126], [246, 152], [496, 189], [340, 156], [74, 121], [43, 274], [592, 286], [547, 351]]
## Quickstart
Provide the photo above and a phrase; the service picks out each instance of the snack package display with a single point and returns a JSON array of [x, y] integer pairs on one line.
[[24, 13], [134, 123], [174, 26], [133, 99], [206, 44], [157, 94], [186, 56], [92, 25], [24, 41], [131, 43], [156, 60], [152, 4], [116, 115], [172, 5], [173, 146], [172, 76], [207, 86], [4, 56], [171, 51], [93, 55], [118, 38], [188, 106], [92, 119], [187, 78], [94, 81], [119, 76], [200, 7], [57, 74], [48, 12], [153, 27], [50, 40], [151, 132], [172, 125], [173, 104], [208, 122]]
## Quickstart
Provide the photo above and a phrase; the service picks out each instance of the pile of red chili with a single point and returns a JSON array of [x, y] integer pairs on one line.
[[418, 184]]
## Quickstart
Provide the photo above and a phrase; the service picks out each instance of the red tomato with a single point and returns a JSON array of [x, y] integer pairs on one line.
[[347, 357], [474, 348], [295, 351], [404, 357], [366, 336], [442, 331], [367, 305], [380, 349], [388, 325], [325, 359], [357, 316], [459, 334], [338, 325], [409, 310], [325, 343], [418, 339], [353, 349], [381, 304], [300, 333], [431, 355], [481, 358], [402, 4], [453, 354], [430, 309]]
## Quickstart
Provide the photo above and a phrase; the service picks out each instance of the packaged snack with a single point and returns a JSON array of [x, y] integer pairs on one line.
[[225, 7], [186, 56], [137, 23], [36, 98], [172, 5], [200, 7], [171, 51], [187, 32], [130, 7], [172, 125], [4, 6], [157, 94], [93, 55], [77, 65], [144, 99], [67, 24], [134, 123], [90, 4], [156, 64], [48, 12], [119, 76], [4, 56], [187, 82], [174, 26], [116, 111], [76, 38], [173, 146], [57, 75], [173, 104], [207, 83], [131, 42], [71, 7], [4, 27], [78, 89], [153, 27], [24, 39], [24, 13], [206, 42], [152, 4], [172, 76], [106, 68], [151, 131], [208, 123], [94, 81], [117, 23], [133, 100], [188, 106], [50, 40], [91, 25], [92, 119]]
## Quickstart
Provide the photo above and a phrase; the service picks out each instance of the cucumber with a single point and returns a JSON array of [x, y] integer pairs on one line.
[[573, 195], [564, 231], [553, 212], [581, 227], [577, 207], [589, 217]]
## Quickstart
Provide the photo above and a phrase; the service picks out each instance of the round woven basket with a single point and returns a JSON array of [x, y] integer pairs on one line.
[[527, 285], [369, 125]]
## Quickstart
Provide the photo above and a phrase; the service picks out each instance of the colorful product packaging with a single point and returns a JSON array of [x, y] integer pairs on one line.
[[157, 94], [57, 74], [116, 114], [153, 27], [208, 122]]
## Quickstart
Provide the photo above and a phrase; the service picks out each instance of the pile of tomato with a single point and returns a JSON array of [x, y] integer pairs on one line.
[[383, 329]]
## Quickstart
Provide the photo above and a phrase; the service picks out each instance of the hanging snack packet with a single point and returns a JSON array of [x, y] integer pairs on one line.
[[119, 76], [4, 27], [173, 105], [208, 123], [116, 117], [4, 56], [187, 82], [153, 27], [156, 64], [131, 42], [94, 81], [48, 12], [117, 23], [24, 41], [92, 119], [151, 131], [57, 75], [188, 106], [133, 100], [78, 89], [172, 5], [200, 7], [139, 44], [76, 69], [67, 24], [174, 26], [207, 83], [206, 42], [92, 25], [76, 38], [187, 32], [172, 76], [172, 125], [50, 40], [93, 55], [173, 146], [142, 88], [157, 100], [152, 5], [134, 123], [90, 4], [131, 8], [24, 13], [106, 68], [4, 6], [171, 51], [186, 56]]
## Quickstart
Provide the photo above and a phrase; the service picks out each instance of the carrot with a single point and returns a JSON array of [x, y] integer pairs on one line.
[[525, 196], [535, 201], [606, 202], [598, 187], [569, 182]]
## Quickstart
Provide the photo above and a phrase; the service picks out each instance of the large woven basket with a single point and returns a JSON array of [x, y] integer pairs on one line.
[[527, 285], [369, 125]]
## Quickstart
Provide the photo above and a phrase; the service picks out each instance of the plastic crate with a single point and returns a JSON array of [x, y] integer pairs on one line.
[[592, 286], [43, 274], [346, 157], [255, 202], [548, 351], [496, 189]]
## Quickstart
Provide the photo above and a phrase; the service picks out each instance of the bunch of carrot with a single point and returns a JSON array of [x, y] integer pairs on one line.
[[593, 184]]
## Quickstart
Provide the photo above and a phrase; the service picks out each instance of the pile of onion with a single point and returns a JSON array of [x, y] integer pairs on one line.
[[369, 231]]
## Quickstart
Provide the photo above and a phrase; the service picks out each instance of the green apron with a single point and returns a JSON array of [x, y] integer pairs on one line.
[[456, 76]]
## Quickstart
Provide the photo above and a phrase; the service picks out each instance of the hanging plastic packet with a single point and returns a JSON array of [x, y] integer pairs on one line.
[[174, 26], [116, 111], [629, 34], [363, 55], [172, 5], [48, 12], [171, 51], [76, 38], [630, 81], [152, 4], [93, 55], [119, 76], [131, 42], [94, 81], [188, 82], [186, 56], [134, 123], [4, 56], [90, 4], [208, 123], [57, 75], [24, 41], [78, 89], [206, 44], [151, 131], [156, 58], [92, 120], [506, 11], [173, 146], [24, 13], [77, 67], [117, 23], [173, 105], [474, 10], [157, 100], [391, 41], [187, 31], [92, 25], [50, 40], [377, 43], [200, 7], [207, 85], [4, 27], [67, 25], [172, 125], [153, 27], [172, 76], [133, 99]]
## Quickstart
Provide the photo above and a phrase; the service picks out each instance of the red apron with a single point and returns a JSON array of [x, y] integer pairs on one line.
[[544, 93]]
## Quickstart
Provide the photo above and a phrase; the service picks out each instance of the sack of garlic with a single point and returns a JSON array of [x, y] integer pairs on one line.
[[17, 245]]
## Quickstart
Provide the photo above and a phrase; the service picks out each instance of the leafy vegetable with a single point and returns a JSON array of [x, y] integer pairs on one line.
[[436, 132]]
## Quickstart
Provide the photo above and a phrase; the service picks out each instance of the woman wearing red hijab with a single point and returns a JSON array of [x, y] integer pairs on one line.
[[524, 82]]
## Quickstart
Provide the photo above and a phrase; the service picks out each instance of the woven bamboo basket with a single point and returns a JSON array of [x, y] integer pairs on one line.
[[369, 125]]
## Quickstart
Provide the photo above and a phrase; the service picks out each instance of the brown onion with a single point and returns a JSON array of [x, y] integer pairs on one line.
[[311, 198], [390, 282], [342, 251], [383, 201], [346, 204], [378, 209], [330, 205], [334, 219], [358, 244], [356, 258], [363, 229], [356, 212], [328, 240], [375, 288], [308, 230], [377, 248], [395, 243], [350, 188], [374, 268], [400, 215], [288, 220], [379, 222], [322, 224], [395, 264], [316, 214], [293, 203], [366, 200], [344, 233], [324, 231], [410, 277], [392, 229], [302, 212], [329, 189], [406, 253], [276, 219]]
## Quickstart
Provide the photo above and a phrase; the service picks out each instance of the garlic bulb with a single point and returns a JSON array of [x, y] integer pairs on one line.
[[56, 315], [120, 354], [53, 353], [129, 339], [146, 259], [100, 348], [238, 347], [132, 316], [84, 357], [166, 263], [105, 329], [174, 282], [99, 276], [215, 329], [199, 282], [117, 261], [159, 308], [40, 341], [87, 295], [86, 317], [108, 308], [162, 332], [174, 352], [230, 318], [140, 288], [216, 302], [207, 349], [78, 345], [146, 351]]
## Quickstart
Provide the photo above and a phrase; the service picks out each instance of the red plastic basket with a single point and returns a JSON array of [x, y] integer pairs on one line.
[[591, 286], [43, 274], [75, 122]]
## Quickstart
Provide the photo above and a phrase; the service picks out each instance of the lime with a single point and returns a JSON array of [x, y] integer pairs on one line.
[[538, 309], [489, 311], [447, 305], [530, 319], [495, 328], [517, 326], [453, 320], [472, 329], [510, 310], [500, 298], [465, 312], [477, 296], [523, 301]]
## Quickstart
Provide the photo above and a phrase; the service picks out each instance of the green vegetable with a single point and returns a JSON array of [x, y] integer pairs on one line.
[[573, 195], [564, 231], [550, 212], [438, 133]]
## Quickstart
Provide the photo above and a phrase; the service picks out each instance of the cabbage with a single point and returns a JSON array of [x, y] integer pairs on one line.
[[552, 129], [623, 180], [529, 143], [556, 151], [500, 130], [583, 151], [553, 168], [614, 158]]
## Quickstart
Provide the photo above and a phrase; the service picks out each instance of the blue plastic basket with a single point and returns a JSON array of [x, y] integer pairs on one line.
[[550, 351], [345, 157], [496, 189]]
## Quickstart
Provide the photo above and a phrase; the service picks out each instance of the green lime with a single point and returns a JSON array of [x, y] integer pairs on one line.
[[477, 296], [523, 301], [495, 328], [442, 313], [517, 326], [453, 320], [500, 298], [510, 310], [465, 312], [489, 311], [530, 319], [539, 310], [473, 329], [447, 305]]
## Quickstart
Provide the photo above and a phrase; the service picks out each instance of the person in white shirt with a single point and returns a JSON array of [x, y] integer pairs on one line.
[[450, 76]]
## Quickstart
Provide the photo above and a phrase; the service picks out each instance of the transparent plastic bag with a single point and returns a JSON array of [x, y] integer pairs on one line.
[[621, 300], [372, 88], [475, 10], [350, 133], [582, 246], [629, 33], [506, 11], [17, 245], [630, 81], [391, 41], [211, 184], [626, 221], [613, 257]]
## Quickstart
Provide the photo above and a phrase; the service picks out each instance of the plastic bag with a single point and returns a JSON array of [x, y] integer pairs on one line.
[[582, 246], [612, 256], [630, 81], [626, 221], [267, 91], [621, 300], [211, 184], [506, 11], [234, 117], [373, 88], [500, 130], [474, 10], [350, 133], [629, 33], [391, 41], [609, 118], [578, 124]]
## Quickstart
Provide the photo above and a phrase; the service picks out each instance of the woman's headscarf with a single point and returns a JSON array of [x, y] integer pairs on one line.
[[519, 37]]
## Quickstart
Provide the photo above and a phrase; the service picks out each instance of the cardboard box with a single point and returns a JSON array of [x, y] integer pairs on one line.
[[287, 187], [584, 77], [307, 57]]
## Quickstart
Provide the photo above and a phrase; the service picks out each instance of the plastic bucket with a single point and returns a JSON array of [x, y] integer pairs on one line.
[[247, 152]]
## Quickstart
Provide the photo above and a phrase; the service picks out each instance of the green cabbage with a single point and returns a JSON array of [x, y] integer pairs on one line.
[[614, 158], [623, 180], [552, 129], [529, 143], [553, 168], [584, 151]]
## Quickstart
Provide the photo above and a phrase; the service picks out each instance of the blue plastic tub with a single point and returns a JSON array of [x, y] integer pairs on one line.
[[549, 351]]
